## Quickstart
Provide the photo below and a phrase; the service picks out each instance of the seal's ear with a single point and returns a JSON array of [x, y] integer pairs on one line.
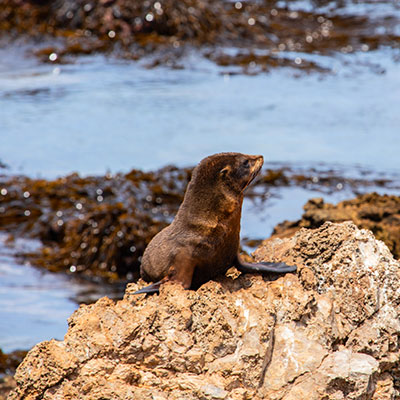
[[225, 171]]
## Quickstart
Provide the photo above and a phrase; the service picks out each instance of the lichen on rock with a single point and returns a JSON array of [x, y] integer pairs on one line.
[[331, 331]]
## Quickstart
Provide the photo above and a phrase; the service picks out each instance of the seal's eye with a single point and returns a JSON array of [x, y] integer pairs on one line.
[[245, 163]]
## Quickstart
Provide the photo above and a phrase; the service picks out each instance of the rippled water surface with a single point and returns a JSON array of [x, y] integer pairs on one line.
[[33, 303], [99, 115]]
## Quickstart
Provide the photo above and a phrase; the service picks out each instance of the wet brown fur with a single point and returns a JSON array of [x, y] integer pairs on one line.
[[203, 240]]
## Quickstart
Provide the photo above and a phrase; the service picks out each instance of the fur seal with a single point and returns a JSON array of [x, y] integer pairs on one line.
[[203, 239]]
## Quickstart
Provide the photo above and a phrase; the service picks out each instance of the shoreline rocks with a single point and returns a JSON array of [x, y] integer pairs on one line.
[[329, 332]]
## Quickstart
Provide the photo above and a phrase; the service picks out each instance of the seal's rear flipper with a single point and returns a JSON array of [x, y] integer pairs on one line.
[[153, 288], [277, 268]]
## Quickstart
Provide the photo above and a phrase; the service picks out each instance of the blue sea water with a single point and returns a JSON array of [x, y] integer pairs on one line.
[[99, 114]]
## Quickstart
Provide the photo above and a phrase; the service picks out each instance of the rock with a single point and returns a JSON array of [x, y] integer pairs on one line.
[[384, 388], [342, 375], [378, 213], [329, 332]]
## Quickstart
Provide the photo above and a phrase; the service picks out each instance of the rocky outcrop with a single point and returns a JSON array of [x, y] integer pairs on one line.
[[331, 331], [378, 213]]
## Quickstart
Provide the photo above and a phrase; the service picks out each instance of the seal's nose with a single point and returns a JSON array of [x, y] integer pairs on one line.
[[259, 160]]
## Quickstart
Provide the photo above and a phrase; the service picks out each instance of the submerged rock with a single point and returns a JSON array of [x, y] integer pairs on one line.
[[329, 332]]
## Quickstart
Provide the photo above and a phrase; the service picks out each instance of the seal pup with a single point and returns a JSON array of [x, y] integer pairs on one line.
[[203, 239]]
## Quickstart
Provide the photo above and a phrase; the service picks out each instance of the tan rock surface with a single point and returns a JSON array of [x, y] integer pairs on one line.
[[329, 332]]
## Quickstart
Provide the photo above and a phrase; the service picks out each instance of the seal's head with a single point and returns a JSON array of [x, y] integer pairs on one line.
[[229, 171]]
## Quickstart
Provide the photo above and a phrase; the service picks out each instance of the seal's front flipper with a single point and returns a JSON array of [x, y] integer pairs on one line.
[[263, 267], [153, 288]]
